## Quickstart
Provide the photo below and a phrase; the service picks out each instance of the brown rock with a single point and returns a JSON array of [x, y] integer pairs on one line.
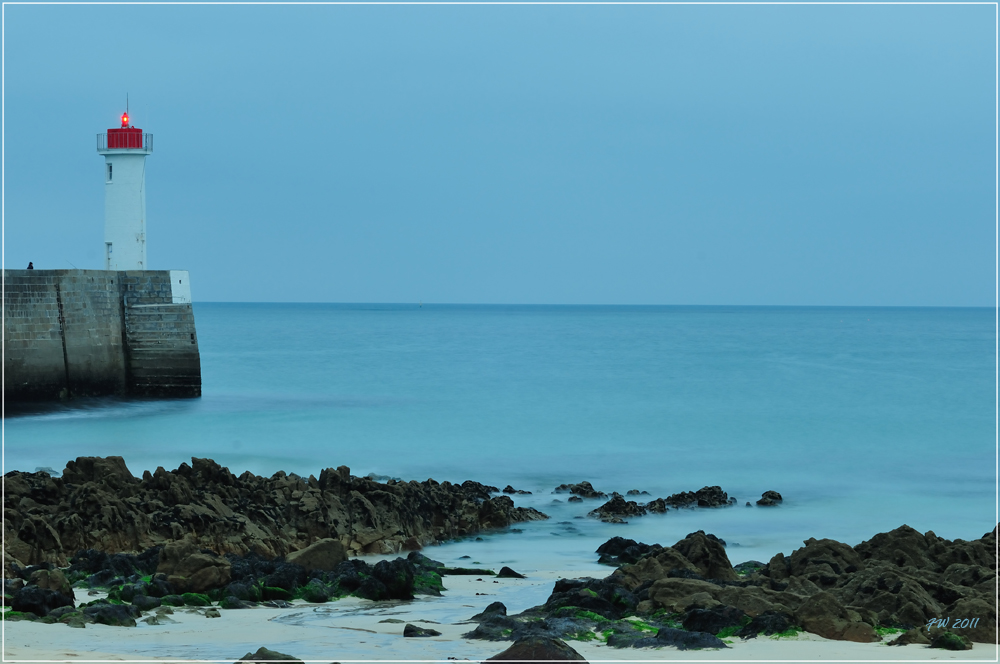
[[653, 568], [897, 596], [677, 594], [538, 648], [324, 554], [824, 561], [110, 471], [583, 489], [99, 504], [769, 499], [264, 655], [970, 608], [708, 556], [753, 601], [190, 570], [917, 635], [822, 614], [708, 496], [618, 507], [52, 580]]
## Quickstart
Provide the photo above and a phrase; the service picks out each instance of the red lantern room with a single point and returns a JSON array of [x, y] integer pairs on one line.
[[128, 137]]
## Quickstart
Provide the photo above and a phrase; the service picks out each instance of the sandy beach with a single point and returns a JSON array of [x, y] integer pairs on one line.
[[353, 629]]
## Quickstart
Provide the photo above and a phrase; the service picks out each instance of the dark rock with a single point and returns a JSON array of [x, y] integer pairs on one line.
[[508, 573], [749, 567], [510, 489], [708, 555], [40, 601], [324, 554], [617, 545], [618, 507], [230, 602], [822, 614], [619, 550], [465, 571], [52, 580], [316, 592], [951, 641], [420, 561], [682, 640], [917, 635], [494, 609], [668, 636], [769, 499], [196, 599], [188, 569], [601, 596], [158, 586], [349, 574], [538, 648], [572, 499], [145, 603], [713, 620], [115, 615], [823, 561], [500, 512], [411, 631], [271, 593], [495, 627], [242, 591], [709, 496], [397, 577], [636, 492], [583, 489], [98, 508], [61, 611], [265, 655], [658, 506], [287, 576], [172, 600], [769, 622]]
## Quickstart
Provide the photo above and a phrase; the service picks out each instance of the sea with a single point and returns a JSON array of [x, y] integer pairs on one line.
[[863, 419]]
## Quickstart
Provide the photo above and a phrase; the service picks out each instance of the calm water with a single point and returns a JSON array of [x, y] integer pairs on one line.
[[864, 419]]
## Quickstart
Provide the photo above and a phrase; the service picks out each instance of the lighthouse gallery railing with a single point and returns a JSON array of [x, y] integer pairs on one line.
[[119, 144]]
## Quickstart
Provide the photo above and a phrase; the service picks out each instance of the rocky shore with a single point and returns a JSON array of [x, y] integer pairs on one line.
[[919, 587], [98, 504], [99, 545]]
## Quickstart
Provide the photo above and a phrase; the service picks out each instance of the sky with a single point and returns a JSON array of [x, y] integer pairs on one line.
[[568, 154]]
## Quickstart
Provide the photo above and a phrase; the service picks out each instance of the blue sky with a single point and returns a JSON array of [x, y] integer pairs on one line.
[[817, 155]]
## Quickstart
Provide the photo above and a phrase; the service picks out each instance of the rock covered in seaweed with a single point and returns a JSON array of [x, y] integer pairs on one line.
[[901, 579]]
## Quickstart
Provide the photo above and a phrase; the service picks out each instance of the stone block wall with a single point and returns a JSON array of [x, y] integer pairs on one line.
[[96, 332]]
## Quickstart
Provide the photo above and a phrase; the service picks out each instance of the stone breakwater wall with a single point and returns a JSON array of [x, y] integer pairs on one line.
[[99, 504], [98, 332]]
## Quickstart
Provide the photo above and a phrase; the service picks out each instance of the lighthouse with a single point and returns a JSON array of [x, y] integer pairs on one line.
[[125, 149]]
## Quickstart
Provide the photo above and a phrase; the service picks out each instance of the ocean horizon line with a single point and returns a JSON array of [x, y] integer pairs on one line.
[[516, 305]]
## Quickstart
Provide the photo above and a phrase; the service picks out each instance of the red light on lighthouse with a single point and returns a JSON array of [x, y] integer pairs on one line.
[[124, 119]]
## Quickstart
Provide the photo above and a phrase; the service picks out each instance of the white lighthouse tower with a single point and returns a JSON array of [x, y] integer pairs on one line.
[[125, 151]]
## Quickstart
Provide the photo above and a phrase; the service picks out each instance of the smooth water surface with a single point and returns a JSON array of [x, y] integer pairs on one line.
[[863, 418]]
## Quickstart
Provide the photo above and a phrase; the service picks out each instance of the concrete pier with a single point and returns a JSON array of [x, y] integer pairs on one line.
[[98, 332]]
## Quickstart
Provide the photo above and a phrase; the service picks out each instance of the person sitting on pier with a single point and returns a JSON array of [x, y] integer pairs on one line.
[[31, 266]]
